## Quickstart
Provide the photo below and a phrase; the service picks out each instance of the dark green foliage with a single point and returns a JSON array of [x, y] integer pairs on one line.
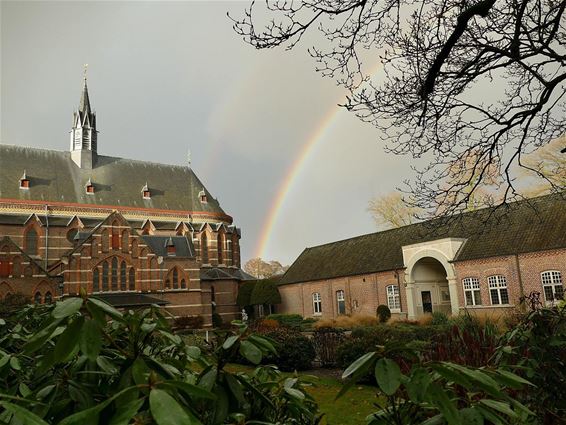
[[245, 292], [265, 292], [383, 313], [293, 321], [536, 350], [68, 365], [11, 303], [188, 322], [439, 318], [325, 342], [217, 321], [294, 351]]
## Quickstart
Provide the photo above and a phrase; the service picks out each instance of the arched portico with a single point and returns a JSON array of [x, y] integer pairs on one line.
[[430, 283]]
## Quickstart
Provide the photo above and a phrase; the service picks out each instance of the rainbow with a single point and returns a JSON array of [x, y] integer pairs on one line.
[[294, 171]]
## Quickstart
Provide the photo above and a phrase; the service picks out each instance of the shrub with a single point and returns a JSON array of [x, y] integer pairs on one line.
[[264, 325], [188, 322], [245, 292], [265, 292], [347, 322], [294, 351], [439, 318], [12, 303], [325, 342], [383, 313], [293, 321]]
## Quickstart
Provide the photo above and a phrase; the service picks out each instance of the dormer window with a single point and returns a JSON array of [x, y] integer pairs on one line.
[[202, 196], [170, 247], [146, 194], [89, 187], [24, 181]]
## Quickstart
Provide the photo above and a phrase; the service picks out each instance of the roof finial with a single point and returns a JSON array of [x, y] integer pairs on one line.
[[85, 66]]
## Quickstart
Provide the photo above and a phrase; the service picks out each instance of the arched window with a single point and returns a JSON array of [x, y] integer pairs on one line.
[[48, 298], [552, 285], [104, 243], [175, 278], [31, 241], [125, 240], [16, 267], [498, 290], [37, 298], [183, 284], [93, 248], [154, 273], [204, 248], [123, 282], [316, 303], [105, 276], [393, 298], [220, 249], [134, 248], [132, 279], [115, 236], [5, 268], [114, 274], [95, 280], [472, 292], [167, 284], [234, 250], [341, 301]]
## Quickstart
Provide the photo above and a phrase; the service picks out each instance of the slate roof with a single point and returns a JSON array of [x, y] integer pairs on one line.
[[183, 246], [118, 182], [527, 226], [216, 273]]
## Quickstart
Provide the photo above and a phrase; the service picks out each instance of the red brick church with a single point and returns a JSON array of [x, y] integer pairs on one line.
[[131, 232]]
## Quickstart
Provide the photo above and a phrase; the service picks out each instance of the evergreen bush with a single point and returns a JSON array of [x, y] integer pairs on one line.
[[383, 313], [265, 292]]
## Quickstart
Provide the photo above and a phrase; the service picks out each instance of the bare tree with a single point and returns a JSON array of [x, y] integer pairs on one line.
[[470, 86], [264, 269], [389, 211]]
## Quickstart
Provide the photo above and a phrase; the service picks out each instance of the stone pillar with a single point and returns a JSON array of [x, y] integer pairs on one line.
[[453, 288], [410, 293]]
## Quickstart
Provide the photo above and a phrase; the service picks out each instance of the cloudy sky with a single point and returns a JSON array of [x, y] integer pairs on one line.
[[264, 129]]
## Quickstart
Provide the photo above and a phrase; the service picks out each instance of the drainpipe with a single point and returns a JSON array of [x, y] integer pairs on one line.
[[399, 287], [46, 236], [519, 276]]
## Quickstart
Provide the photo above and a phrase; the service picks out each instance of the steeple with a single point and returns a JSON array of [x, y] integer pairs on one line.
[[84, 133]]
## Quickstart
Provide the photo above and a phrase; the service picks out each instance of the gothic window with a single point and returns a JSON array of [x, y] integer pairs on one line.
[[316, 303], [183, 284], [125, 240], [341, 301], [234, 250], [95, 280], [552, 285], [472, 292], [132, 279], [498, 290], [31, 241], [167, 284], [115, 236], [393, 298], [37, 298], [16, 267], [28, 271], [154, 272], [114, 274], [104, 242], [105, 276], [93, 248], [220, 249], [134, 248], [48, 298], [123, 282], [175, 279], [204, 248]]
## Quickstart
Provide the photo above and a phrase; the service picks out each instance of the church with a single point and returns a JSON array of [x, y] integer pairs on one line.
[[131, 232]]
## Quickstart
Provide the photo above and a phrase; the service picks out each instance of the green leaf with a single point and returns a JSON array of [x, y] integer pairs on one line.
[[417, 385], [481, 379], [24, 416], [67, 307], [235, 387], [471, 416], [230, 341], [263, 343], [189, 389], [90, 340], [68, 340], [295, 393], [363, 362], [105, 364], [388, 375], [499, 406], [4, 361], [126, 412], [167, 411], [250, 352], [441, 400], [208, 378], [222, 405], [511, 378], [41, 337], [140, 371], [107, 308], [15, 363]]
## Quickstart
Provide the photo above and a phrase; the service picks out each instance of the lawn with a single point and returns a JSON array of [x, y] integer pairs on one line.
[[351, 409]]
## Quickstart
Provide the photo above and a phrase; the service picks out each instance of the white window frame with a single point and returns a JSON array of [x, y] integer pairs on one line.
[[393, 298], [471, 286], [316, 304], [551, 279], [340, 298], [498, 284]]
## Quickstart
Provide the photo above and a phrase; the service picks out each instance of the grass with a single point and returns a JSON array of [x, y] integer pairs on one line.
[[350, 409]]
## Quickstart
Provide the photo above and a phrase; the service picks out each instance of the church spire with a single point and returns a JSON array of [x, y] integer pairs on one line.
[[84, 133]]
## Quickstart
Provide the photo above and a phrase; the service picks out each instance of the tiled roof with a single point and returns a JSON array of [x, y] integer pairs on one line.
[[158, 244], [527, 226], [118, 182]]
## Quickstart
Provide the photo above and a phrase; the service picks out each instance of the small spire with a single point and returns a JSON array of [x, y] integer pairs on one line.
[[24, 176], [85, 66], [84, 104]]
